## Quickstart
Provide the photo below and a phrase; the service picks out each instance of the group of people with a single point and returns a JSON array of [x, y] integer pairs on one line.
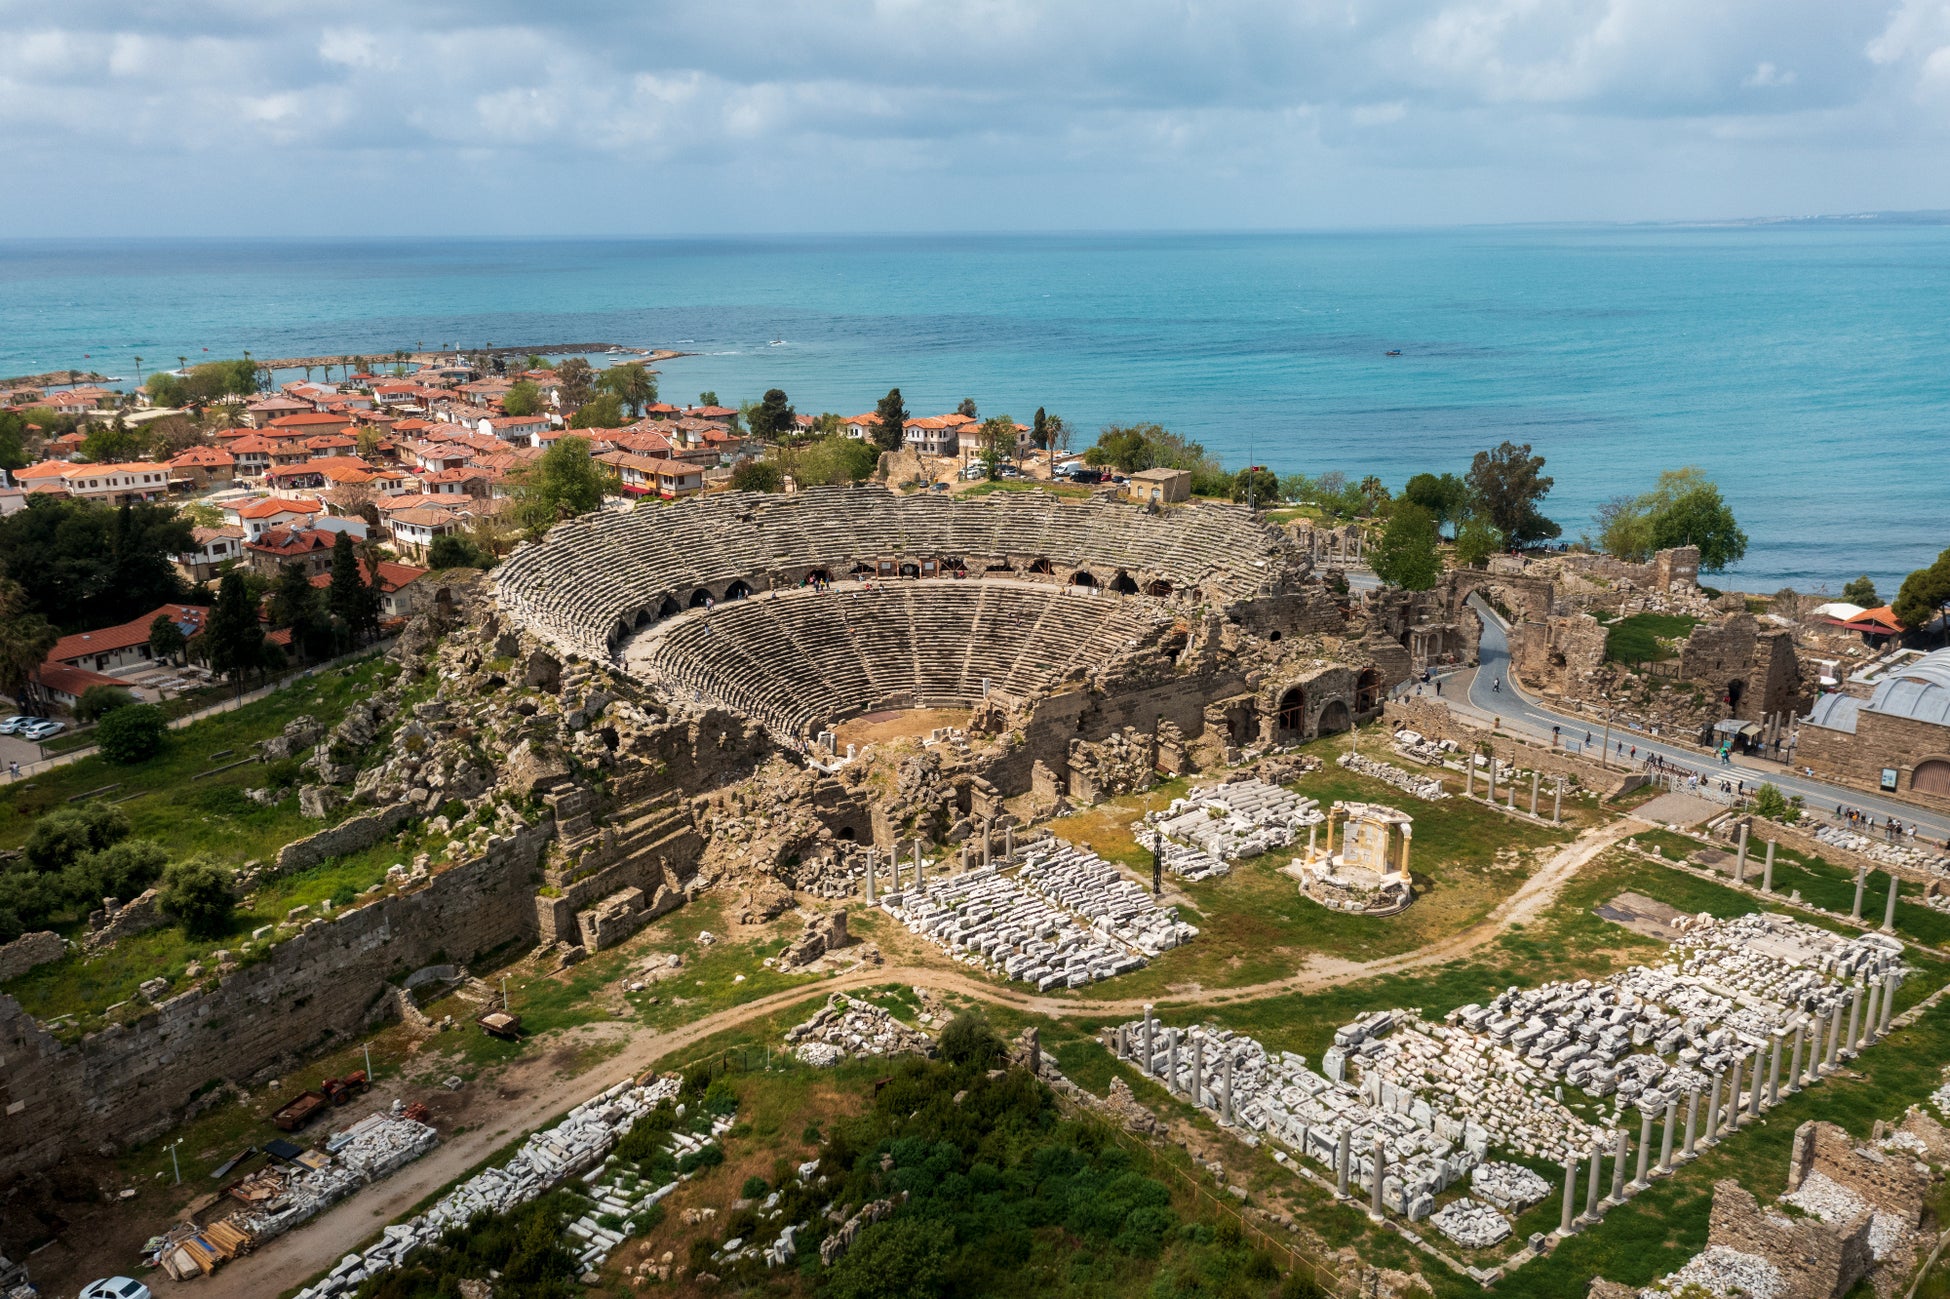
[[1864, 823]]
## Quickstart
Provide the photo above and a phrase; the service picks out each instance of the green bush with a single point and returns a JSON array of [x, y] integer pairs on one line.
[[132, 734], [196, 892], [98, 701]]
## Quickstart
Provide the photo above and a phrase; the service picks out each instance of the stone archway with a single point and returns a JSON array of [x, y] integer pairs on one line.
[[1367, 691], [1083, 577], [738, 590], [1042, 567], [819, 575], [1334, 718], [1290, 715], [669, 608], [1123, 583], [1159, 588], [700, 598], [1931, 776]]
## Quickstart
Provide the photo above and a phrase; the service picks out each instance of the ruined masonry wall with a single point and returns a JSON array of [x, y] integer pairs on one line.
[[1817, 1261], [130, 1082], [30, 950], [354, 834], [1893, 1185]]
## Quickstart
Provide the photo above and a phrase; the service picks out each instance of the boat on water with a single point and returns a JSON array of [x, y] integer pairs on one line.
[[777, 342], [1394, 351]]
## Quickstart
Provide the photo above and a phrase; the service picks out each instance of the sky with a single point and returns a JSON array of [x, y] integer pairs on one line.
[[489, 117]]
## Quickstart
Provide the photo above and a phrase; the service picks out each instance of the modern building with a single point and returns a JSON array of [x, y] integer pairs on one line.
[[1160, 486], [1897, 740]]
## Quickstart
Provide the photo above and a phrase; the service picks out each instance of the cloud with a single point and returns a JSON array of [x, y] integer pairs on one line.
[[653, 116]]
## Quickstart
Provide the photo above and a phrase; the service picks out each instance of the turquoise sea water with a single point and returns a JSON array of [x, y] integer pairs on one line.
[[1806, 367]]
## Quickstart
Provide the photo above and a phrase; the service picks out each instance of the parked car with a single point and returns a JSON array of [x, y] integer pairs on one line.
[[11, 725], [41, 729], [115, 1287], [975, 471]]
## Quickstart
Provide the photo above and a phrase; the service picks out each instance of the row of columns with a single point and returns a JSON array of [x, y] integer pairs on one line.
[[986, 844], [1861, 881], [1867, 1010], [1469, 789]]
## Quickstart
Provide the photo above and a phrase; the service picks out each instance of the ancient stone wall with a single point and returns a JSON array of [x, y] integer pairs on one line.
[[1879, 741], [30, 950], [1561, 655], [1313, 609], [1895, 1185], [1434, 719], [1816, 1260], [354, 834], [1753, 669], [130, 1081]]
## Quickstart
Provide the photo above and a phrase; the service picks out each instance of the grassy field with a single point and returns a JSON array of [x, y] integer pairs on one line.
[[1642, 637], [1253, 924]]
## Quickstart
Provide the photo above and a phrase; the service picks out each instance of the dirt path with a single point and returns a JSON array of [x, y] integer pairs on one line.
[[288, 1260]]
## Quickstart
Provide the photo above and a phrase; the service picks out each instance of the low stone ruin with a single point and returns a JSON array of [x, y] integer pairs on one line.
[[1471, 1225], [1082, 882], [1426, 788], [1416, 747], [852, 1026], [1370, 872], [1219, 824], [823, 933], [1901, 852], [1510, 1187]]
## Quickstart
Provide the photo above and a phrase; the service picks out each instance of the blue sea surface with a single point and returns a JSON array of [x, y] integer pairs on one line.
[[1807, 368]]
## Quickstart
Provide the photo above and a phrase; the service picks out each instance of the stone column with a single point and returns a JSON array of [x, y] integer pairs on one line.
[[1122, 1041], [988, 843], [1861, 879], [1712, 1137], [870, 898], [1150, 1069], [1889, 911], [1198, 1071], [1733, 1094], [1469, 780], [1740, 857], [1834, 1038], [920, 878], [1225, 1093], [1871, 1022], [1491, 796], [1408, 837], [1374, 1190], [1753, 1084], [1533, 793], [1767, 870], [1854, 1018], [1570, 1194], [1692, 1115], [1665, 1139], [1620, 1149], [1591, 1186], [1171, 1061], [1892, 982], [1794, 1066], [1511, 794], [1639, 1182], [1774, 1071], [1557, 801], [1341, 1158]]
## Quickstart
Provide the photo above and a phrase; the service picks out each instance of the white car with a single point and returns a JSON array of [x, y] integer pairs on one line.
[[41, 730], [115, 1287], [9, 725]]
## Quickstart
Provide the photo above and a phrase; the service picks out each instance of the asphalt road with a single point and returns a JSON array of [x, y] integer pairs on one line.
[[1520, 713]]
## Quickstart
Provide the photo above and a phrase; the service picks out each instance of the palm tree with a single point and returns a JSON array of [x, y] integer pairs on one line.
[[138, 372], [182, 363]]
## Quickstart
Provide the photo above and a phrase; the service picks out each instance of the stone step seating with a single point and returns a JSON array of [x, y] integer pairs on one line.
[[989, 920], [801, 659], [595, 578], [1080, 881]]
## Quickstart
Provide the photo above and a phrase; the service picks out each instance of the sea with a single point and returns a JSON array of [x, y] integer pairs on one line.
[[1805, 367]]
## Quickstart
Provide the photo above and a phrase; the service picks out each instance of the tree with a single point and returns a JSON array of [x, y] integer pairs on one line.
[[576, 381], [1507, 484], [997, 441], [1771, 803], [632, 383], [565, 482], [294, 604], [967, 407], [451, 551], [892, 412], [1374, 495], [757, 476], [13, 440], [1136, 447], [1476, 540], [1256, 486], [173, 434], [97, 702], [1683, 509], [85, 565], [1925, 593], [1039, 430], [1406, 554], [1445, 496], [771, 418], [354, 604], [605, 411], [707, 399], [114, 443], [835, 461], [232, 639], [166, 389], [1862, 591], [25, 639], [166, 639], [196, 892], [524, 398], [132, 734]]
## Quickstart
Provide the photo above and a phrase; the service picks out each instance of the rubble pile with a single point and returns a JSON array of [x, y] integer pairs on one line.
[[1082, 882], [988, 920], [1230, 821], [544, 1160], [1510, 1187], [1899, 853], [1417, 748], [1723, 1273], [851, 1026], [1827, 1199], [1320, 1119], [1426, 788], [370, 1149], [1471, 1225]]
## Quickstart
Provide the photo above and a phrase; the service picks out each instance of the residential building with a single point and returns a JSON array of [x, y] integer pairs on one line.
[[647, 476], [200, 468], [414, 529], [127, 645], [215, 547], [272, 549], [398, 589], [260, 514], [522, 430]]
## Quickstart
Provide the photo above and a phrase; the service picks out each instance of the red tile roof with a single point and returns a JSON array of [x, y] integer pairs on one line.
[[135, 632]]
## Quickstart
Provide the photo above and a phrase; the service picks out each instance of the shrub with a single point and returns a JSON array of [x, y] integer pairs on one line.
[[97, 702], [62, 837], [1770, 803], [196, 892], [755, 1188], [132, 734]]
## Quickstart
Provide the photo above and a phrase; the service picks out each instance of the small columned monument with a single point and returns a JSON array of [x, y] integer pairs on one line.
[[1368, 873]]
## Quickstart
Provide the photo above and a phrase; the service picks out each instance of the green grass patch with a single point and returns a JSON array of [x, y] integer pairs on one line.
[[1646, 637]]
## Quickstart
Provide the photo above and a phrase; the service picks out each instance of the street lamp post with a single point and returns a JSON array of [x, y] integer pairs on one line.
[[174, 1167]]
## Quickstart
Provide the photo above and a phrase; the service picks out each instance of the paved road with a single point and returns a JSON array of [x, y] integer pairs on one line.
[[1519, 713]]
